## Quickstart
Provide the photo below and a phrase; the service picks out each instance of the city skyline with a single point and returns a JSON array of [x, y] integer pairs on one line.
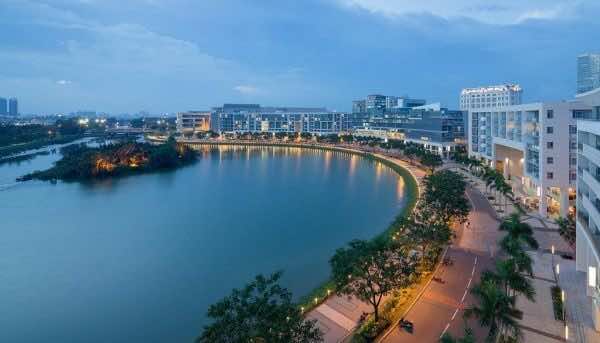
[[92, 55]]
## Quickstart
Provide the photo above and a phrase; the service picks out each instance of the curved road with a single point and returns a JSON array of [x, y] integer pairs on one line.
[[440, 308]]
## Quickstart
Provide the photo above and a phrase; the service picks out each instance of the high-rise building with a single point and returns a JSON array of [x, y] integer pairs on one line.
[[588, 72], [3, 104], [535, 147], [588, 201], [13, 107], [490, 97]]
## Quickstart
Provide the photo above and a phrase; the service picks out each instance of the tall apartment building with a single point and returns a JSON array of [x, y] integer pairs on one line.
[[588, 200], [359, 106], [490, 97], [13, 107], [535, 146], [588, 72], [3, 104]]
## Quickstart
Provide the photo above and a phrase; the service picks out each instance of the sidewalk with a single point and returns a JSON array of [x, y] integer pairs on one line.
[[338, 316], [538, 321]]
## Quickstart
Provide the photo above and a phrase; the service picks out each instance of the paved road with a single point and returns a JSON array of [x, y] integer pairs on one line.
[[441, 307]]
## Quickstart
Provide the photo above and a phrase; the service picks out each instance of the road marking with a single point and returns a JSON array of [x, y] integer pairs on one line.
[[446, 329], [454, 315], [464, 296], [469, 284]]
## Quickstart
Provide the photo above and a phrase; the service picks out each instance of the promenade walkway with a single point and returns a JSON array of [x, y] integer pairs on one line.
[[338, 316]]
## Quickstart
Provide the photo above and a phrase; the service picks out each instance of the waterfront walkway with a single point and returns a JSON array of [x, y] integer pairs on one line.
[[338, 316]]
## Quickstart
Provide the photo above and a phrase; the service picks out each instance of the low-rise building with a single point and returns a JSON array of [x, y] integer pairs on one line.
[[193, 121], [241, 118]]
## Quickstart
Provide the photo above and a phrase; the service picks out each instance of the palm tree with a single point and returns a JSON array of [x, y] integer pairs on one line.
[[508, 276], [496, 311], [517, 254], [519, 231], [468, 338]]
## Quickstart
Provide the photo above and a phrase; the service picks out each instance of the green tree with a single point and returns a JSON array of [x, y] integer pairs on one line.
[[566, 228], [369, 270], [496, 311], [519, 231], [468, 337], [508, 276], [445, 195], [431, 161], [262, 311], [426, 232]]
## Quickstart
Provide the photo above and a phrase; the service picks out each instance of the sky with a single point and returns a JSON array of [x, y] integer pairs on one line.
[[125, 56]]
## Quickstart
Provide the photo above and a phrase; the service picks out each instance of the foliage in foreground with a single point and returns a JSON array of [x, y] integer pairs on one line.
[[566, 228], [371, 270], [81, 162], [262, 311]]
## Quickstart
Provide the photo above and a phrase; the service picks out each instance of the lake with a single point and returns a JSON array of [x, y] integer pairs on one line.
[[140, 259]]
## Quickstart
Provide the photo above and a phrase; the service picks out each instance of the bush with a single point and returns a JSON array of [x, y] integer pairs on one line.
[[557, 303], [372, 330]]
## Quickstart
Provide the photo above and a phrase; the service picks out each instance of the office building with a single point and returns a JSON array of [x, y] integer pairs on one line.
[[380, 104], [193, 121], [535, 146], [241, 118], [490, 97], [13, 107], [588, 72], [3, 107], [588, 200], [437, 129], [359, 106]]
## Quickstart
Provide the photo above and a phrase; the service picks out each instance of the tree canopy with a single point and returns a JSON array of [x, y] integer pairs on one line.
[[262, 311]]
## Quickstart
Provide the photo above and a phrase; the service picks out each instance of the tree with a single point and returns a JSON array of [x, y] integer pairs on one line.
[[519, 231], [369, 270], [426, 231], [566, 228], [468, 338], [508, 276], [517, 254], [431, 161], [445, 194], [260, 312], [496, 310]]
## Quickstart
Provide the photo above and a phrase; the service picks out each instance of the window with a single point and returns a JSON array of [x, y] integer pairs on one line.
[[550, 160], [573, 161], [550, 145], [550, 114], [549, 175], [572, 129], [550, 129]]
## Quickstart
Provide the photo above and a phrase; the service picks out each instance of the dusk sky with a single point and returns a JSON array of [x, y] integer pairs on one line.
[[175, 55]]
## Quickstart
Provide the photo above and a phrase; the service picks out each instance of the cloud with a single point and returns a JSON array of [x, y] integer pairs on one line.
[[247, 89], [504, 12], [63, 82]]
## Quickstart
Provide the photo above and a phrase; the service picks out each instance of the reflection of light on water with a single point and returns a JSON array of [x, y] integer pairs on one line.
[[378, 171], [400, 188], [327, 160], [353, 162]]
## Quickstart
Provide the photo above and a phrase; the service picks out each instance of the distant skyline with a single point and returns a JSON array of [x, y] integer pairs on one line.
[[177, 55]]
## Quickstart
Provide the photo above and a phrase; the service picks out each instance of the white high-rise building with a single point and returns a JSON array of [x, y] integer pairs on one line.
[[535, 146], [588, 200], [490, 97]]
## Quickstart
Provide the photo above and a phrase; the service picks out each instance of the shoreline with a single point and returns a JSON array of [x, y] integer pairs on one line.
[[324, 290]]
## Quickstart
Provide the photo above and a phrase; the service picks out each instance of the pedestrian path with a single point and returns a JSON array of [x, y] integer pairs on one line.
[[338, 316]]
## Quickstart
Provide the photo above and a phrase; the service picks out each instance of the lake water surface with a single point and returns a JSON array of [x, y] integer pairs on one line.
[[140, 259]]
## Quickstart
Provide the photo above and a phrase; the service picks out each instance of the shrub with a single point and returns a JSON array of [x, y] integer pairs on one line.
[[557, 303]]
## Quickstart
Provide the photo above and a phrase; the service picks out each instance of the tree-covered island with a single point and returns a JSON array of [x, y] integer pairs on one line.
[[81, 162]]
